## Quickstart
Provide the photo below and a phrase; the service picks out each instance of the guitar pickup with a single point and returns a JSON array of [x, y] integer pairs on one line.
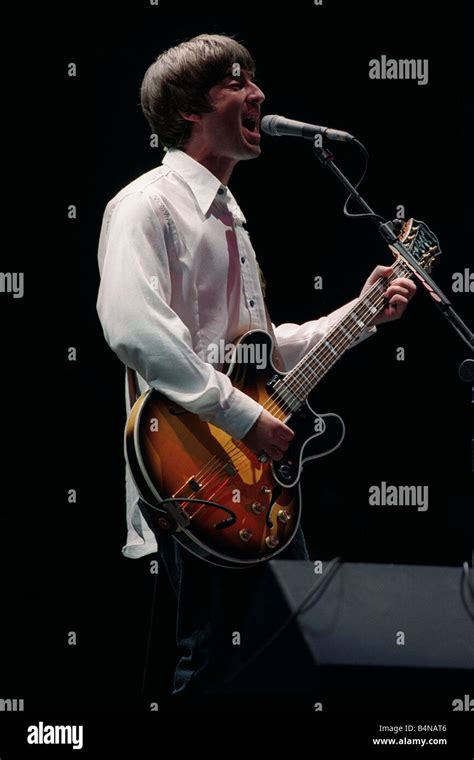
[[273, 381], [194, 485]]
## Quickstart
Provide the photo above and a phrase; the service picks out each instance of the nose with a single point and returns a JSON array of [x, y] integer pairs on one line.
[[255, 94]]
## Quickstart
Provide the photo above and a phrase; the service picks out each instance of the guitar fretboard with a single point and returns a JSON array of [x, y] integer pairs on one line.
[[297, 384]]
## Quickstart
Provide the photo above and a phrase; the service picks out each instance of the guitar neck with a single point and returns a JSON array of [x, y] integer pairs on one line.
[[297, 384]]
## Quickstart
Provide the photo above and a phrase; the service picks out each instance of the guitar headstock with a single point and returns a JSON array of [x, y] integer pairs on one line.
[[420, 241]]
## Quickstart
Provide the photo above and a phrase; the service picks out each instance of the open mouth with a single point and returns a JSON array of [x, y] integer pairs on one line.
[[250, 129], [251, 124]]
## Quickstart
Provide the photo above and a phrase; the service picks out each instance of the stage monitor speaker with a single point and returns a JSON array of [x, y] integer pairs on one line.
[[399, 629]]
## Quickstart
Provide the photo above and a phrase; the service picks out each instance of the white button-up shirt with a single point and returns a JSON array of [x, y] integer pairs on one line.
[[178, 277]]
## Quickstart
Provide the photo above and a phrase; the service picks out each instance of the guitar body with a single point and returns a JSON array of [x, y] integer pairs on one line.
[[173, 453]]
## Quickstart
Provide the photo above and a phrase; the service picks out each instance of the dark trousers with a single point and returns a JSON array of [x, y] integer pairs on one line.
[[213, 605]]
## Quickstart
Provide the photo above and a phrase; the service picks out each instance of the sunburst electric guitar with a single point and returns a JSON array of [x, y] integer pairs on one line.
[[221, 501]]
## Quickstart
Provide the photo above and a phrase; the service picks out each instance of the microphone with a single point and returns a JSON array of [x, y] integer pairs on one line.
[[276, 126]]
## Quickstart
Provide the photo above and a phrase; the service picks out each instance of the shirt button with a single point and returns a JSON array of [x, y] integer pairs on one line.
[[251, 302], [220, 191], [243, 259]]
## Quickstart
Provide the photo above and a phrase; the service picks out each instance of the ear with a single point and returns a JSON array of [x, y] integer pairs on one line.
[[193, 117]]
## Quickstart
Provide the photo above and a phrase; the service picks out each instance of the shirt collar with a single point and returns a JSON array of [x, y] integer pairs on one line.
[[204, 185]]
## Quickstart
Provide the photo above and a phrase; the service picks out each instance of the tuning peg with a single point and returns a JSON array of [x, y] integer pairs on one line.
[[397, 225]]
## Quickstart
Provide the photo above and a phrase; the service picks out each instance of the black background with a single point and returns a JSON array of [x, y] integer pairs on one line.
[[83, 139]]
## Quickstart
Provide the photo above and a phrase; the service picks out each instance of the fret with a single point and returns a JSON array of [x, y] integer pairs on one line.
[[300, 381], [346, 333], [318, 361], [331, 347], [358, 322]]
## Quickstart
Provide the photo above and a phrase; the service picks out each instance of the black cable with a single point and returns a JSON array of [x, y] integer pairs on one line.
[[224, 524], [465, 576], [320, 587], [366, 215]]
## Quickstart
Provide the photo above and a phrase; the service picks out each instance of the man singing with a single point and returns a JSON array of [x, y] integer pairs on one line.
[[178, 275]]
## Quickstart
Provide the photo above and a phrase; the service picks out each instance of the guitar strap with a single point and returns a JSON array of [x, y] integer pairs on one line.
[[132, 385], [277, 358]]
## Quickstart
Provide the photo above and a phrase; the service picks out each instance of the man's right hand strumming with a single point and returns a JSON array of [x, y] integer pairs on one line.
[[268, 435]]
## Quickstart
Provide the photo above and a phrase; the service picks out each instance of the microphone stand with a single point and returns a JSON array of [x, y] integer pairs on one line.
[[387, 231]]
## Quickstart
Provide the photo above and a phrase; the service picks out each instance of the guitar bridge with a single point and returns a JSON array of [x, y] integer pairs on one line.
[[194, 485]]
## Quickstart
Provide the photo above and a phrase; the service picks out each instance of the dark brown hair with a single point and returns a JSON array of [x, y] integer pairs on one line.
[[180, 78]]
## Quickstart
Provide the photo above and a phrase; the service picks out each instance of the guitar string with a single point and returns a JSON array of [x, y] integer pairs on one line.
[[215, 465], [215, 472], [305, 385], [276, 404]]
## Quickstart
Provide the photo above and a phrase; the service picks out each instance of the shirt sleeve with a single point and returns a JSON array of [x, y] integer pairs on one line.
[[141, 327], [294, 341]]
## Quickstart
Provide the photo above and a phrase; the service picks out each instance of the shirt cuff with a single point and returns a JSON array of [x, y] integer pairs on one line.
[[241, 413]]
